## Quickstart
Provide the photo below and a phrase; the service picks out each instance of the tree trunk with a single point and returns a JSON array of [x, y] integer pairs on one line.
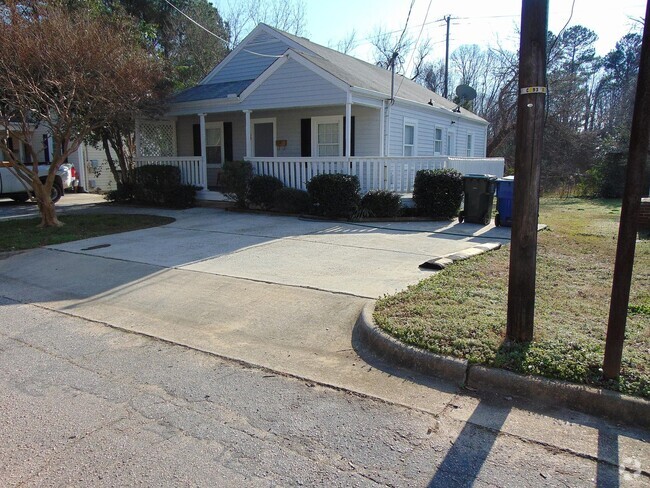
[[42, 193]]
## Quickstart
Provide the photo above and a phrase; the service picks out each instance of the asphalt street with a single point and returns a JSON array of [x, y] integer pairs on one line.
[[219, 351], [87, 405]]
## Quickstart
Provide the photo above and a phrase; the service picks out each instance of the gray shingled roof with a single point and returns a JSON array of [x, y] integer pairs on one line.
[[211, 91], [361, 74]]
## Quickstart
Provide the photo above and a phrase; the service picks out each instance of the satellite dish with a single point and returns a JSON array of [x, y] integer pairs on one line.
[[465, 93]]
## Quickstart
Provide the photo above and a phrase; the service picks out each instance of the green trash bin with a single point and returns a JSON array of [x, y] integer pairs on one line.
[[479, 198]]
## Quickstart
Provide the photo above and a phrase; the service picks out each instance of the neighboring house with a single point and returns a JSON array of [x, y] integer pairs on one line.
[[90, 162], [295, 109]]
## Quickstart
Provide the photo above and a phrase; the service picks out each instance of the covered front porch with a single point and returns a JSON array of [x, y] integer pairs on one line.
[[294, 145]]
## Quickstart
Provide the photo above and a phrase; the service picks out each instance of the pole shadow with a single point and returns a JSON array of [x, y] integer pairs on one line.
[[464, 460]]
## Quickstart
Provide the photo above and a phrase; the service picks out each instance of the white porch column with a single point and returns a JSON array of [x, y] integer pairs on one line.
[[204, 159], [382, 129], [249, 149]]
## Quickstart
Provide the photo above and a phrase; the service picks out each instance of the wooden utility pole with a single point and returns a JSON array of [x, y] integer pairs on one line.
[[639, 140], [528, 153], [446, 90]]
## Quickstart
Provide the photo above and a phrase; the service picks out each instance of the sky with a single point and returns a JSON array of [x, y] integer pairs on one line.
[[474, 21]]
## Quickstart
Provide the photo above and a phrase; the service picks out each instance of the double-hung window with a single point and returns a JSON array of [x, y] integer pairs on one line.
[[469, 145], [327, 139], [410, 129], [437, 141]]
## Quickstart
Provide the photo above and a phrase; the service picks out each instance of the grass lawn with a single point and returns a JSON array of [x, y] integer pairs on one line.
[[461, 311], [24, 234]]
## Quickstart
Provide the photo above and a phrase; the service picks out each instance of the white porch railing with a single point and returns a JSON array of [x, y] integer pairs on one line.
[[190, 166], [375, 173]]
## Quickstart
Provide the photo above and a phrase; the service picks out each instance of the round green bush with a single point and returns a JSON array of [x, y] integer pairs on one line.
[[334, 195], [382, 203], [291, 200], [438, 193], [261, 190]]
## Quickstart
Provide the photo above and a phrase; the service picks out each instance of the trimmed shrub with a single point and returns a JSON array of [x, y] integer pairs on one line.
[[180, 196], [235, 178], [261, 190], [158, 185], [123, 193], [438, 193], [382, 203], [291, 200], [334, 195]]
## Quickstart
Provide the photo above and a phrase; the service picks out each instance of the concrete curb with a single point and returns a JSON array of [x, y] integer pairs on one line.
[[557, 393], [411, 357]]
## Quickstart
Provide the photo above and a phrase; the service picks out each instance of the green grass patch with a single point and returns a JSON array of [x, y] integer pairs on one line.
[[22, 234], [461, 311]]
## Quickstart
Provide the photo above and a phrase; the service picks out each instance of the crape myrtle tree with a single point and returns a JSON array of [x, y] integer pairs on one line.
[[70, 71]]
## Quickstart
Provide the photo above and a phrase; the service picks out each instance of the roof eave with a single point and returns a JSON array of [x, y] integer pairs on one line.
[[442, 110]]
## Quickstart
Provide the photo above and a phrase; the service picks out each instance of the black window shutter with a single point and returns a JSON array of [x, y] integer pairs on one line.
[[352, 137], [305, 138], [196, 136], [227, 141], [10, 143]]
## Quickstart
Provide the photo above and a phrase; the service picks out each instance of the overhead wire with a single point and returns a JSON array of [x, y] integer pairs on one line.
[[426, 15], [228, 43]]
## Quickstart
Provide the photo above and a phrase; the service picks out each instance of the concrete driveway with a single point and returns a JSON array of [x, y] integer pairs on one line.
[[367, 260], [277, 292]]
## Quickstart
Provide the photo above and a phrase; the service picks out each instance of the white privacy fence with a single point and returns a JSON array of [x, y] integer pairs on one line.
[[375, 173], [190, 166]]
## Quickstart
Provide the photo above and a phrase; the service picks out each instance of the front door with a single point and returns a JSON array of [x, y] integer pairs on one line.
[[264, 138], [214, 152]]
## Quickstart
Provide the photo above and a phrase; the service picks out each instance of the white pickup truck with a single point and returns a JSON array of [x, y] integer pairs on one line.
[[11, 187]]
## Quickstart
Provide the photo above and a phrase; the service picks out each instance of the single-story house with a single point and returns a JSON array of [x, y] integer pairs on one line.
[[294, 109]]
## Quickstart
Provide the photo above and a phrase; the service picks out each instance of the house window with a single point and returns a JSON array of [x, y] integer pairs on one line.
[[469, 145], [437, 142], [327, 136], [409, 138]]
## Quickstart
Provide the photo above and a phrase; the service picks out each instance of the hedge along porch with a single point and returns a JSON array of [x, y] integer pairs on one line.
[[296, 109]]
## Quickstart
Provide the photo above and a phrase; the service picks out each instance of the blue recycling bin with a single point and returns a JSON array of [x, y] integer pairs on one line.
[[505, 197]]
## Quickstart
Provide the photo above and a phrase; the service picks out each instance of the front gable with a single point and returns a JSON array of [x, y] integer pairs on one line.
[[259, 50], [294, 82]]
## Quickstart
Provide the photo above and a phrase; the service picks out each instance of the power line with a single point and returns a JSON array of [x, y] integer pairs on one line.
[[228, 44], [414, 47]]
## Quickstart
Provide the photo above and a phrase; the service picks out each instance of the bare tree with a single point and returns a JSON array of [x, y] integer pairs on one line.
[[243, 15], [387, 44], [347, 44], [69, 72]]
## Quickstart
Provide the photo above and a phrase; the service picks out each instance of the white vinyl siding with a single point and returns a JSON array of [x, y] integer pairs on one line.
[[427, 121], [294, 85], [410, 138]]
